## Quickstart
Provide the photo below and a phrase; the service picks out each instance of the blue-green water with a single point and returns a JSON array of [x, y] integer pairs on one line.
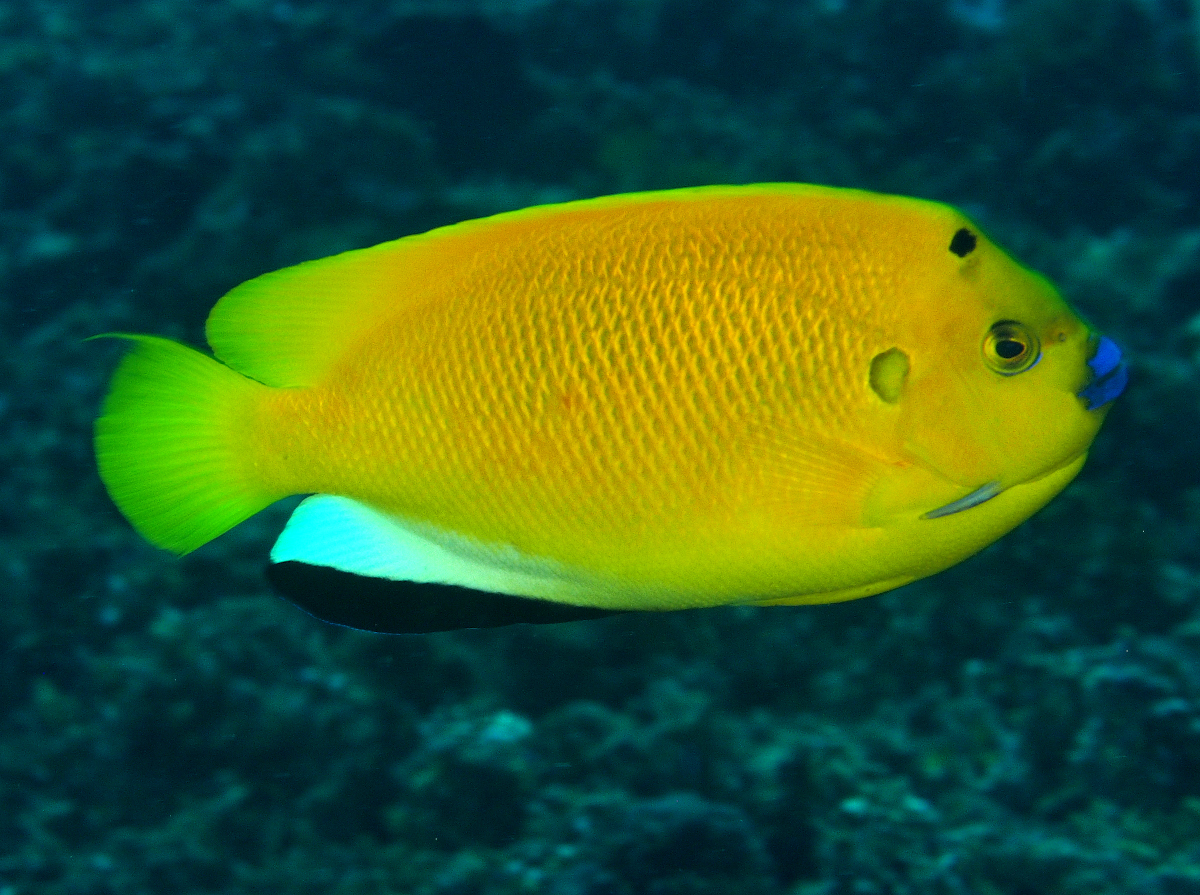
[[1028, 722]]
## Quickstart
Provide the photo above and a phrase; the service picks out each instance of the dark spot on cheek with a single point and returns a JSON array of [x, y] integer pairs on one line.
[[963, 242]]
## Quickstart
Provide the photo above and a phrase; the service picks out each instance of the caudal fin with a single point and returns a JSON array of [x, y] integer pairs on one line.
[[170, 448]]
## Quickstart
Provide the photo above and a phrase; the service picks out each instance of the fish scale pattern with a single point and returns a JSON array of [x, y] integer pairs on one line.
[[597, 383]]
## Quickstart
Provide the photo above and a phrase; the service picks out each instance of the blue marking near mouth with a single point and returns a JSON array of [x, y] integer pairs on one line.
[[1110, 375]]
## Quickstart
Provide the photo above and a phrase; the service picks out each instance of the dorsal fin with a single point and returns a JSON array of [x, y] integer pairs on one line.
[[287, 327]]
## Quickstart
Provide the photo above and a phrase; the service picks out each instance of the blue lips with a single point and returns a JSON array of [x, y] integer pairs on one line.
[[1109, 375]]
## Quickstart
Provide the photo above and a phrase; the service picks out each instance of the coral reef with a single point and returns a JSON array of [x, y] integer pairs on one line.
[[1026, 722]]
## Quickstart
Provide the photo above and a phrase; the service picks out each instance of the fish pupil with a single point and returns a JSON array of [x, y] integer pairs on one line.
[[963, 242], [1009, 348]]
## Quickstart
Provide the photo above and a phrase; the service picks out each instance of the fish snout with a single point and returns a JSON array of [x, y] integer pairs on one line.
[[1110, 375]]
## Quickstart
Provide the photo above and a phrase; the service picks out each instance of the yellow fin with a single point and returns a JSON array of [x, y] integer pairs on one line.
[[815, 479], [285, 328], [841, 596], [167, 445]]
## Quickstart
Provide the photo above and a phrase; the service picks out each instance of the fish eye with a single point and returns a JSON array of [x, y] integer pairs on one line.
[[1010, 348]]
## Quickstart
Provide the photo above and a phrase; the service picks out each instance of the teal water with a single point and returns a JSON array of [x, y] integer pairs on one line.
[[1026, 723]]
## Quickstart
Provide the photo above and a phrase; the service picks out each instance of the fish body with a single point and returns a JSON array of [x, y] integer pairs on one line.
[[765, 394]]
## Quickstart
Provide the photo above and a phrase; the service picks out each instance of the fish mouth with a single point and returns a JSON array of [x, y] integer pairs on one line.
[[1110, 375]]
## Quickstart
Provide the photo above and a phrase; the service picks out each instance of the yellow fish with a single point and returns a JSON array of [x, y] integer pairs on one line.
[[767, 394]]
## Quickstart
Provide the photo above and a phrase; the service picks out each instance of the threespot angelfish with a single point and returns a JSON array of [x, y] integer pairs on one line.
[[764, 394]]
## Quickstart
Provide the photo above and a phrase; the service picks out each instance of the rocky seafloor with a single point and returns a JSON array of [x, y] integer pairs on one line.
[[1028, 722]]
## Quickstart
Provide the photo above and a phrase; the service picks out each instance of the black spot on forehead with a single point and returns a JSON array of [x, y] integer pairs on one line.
[[963, 242]]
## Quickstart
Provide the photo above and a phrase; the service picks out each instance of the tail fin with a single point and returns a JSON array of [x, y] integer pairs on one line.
[[168, 445]]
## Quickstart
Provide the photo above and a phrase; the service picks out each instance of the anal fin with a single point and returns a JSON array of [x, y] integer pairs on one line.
[[407, 607], [352, 565]]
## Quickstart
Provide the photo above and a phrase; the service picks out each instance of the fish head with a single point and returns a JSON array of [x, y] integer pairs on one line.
[[1007, 383]]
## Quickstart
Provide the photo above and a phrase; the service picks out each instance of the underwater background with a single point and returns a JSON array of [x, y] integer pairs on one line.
[[1027, 722]]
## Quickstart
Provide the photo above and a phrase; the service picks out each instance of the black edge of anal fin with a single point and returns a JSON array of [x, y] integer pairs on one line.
[[409, 607]]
